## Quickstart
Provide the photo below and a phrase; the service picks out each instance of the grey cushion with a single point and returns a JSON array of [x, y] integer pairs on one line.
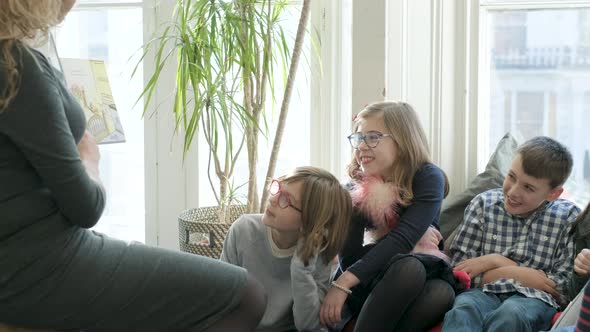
[[493, 177]]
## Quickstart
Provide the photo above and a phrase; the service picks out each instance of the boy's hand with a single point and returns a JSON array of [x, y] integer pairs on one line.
[[582, 262], [526, 276], [537, 279], [478, 265], [475, 266]]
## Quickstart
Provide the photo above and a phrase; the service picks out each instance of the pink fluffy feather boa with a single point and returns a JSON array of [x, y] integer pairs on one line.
[[379, 201]]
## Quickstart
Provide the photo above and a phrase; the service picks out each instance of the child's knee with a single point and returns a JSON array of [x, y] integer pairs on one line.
[[513, 312], [512, 308], [408, 266], [507, 314]]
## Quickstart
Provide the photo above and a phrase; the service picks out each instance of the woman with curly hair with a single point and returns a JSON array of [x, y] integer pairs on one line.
[[56, 273]]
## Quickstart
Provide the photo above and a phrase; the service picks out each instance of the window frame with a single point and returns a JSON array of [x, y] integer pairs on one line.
[[485, 8], [429, 61], [435, 59], [93, 5]]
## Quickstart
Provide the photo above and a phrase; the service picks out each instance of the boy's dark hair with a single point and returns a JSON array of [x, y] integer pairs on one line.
[[545, 158]]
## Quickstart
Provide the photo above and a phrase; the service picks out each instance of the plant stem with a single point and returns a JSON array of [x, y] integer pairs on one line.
[[287, 97]]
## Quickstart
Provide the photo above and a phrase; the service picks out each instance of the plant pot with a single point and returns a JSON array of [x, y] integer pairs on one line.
[[201, 232]]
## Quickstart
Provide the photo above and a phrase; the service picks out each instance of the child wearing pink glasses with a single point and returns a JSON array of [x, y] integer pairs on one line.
[[291, 248]]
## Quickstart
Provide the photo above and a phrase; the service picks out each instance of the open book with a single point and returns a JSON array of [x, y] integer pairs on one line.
[[89, 83]]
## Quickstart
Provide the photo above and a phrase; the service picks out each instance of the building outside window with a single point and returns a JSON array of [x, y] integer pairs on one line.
[[537, 78]]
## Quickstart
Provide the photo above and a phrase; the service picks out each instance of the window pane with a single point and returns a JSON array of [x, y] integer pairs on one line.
[[540, 82], [295, 146], [114, 35]]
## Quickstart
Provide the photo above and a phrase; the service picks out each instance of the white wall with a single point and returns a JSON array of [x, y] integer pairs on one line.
[[170, 182]]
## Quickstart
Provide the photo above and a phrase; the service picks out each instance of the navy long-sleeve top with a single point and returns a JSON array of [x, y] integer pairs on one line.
[[424, 210]]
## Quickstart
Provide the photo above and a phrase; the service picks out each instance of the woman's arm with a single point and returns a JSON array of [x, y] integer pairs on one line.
[[90, 156], [36, 123]]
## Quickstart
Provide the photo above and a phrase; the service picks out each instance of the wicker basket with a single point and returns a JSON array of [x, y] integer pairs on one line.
[[200, 231]]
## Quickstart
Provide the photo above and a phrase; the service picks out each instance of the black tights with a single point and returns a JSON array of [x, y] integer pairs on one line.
[[248, 313], [404, 300]]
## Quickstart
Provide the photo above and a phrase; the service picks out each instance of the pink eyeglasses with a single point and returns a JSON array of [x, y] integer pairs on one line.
[[284, 200]]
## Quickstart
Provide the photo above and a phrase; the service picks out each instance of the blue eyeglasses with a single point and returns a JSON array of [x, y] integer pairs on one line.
[[371, 139]]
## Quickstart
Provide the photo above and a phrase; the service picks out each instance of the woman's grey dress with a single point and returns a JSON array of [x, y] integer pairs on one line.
[[54, 272]]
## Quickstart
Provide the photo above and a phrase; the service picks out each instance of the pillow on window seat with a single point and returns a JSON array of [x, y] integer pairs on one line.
[[493, 177]]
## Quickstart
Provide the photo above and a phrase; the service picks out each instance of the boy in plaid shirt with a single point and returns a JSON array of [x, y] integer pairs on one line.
[[515, 245]]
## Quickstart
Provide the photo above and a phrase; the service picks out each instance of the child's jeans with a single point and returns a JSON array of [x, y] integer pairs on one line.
[[475, 310]]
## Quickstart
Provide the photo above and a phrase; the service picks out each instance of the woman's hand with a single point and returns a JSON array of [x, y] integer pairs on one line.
[[331, 311], [90, 155], [582, 262], [88, 148]]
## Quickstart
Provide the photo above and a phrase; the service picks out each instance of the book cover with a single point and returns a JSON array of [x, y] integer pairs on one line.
[[88, 81]]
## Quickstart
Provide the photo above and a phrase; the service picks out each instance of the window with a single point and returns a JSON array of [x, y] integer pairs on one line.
[[113, 31], [295, 145], [536, 76]]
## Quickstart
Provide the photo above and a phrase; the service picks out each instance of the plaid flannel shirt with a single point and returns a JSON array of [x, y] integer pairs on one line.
[[541, 241]]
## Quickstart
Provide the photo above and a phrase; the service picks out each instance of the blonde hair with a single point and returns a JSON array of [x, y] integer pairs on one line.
[[22, 20], [402, 123], [326, 212]]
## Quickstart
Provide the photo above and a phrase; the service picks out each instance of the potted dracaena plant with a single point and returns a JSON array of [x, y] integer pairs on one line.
[[227, 53]]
